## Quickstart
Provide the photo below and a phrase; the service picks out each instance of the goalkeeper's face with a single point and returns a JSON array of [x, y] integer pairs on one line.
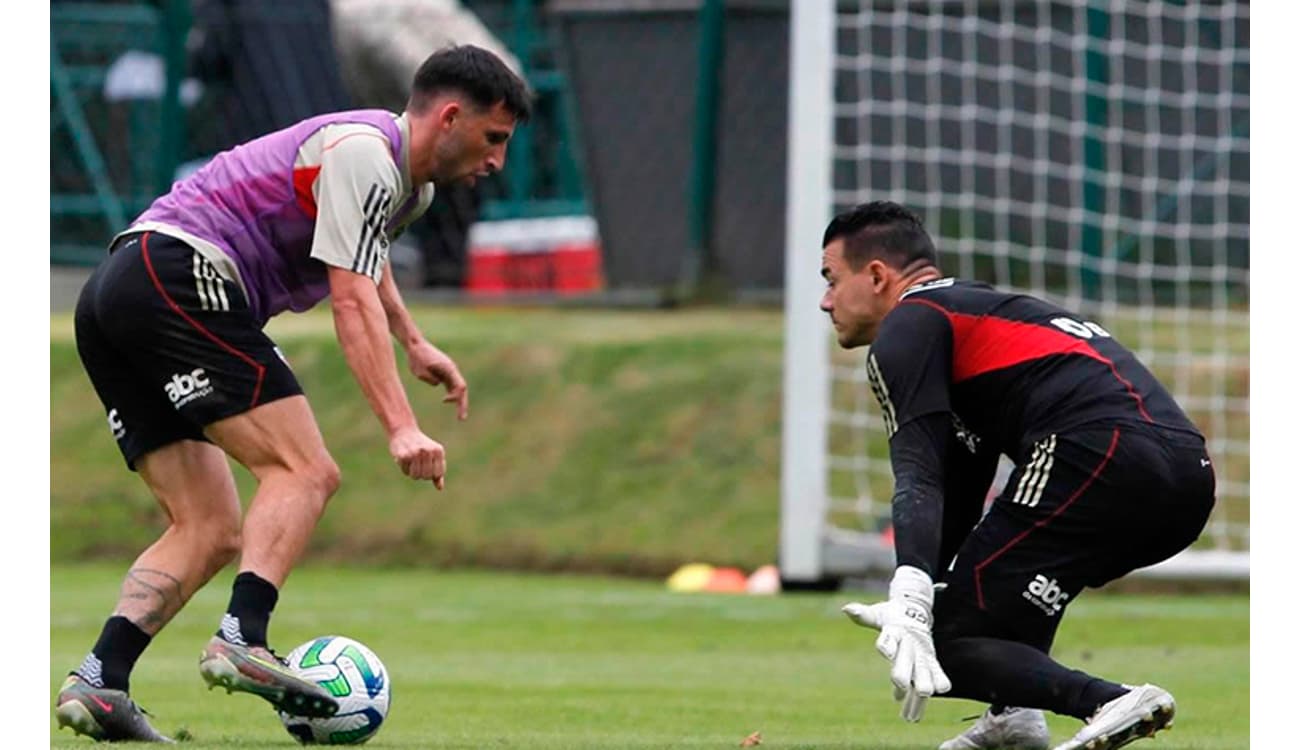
[[856, 300]]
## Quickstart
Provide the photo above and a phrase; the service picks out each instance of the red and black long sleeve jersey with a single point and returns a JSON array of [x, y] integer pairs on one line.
[[964, 372], [1011, 367]]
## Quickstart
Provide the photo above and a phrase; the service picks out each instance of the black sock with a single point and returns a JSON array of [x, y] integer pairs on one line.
[[1096, 693], [1009, 673], [251, 600], [110, 662]]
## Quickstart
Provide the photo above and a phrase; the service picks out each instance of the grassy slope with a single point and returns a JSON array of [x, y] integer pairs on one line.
[[511, 661], [625, 441]]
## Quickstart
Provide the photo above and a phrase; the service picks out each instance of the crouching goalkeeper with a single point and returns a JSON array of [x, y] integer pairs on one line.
[[1110, 476]]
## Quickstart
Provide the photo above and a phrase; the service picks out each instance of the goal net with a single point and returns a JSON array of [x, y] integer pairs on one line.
[[1095, 154]]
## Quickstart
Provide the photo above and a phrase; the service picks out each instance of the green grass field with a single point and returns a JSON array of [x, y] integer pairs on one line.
[[489, 660]]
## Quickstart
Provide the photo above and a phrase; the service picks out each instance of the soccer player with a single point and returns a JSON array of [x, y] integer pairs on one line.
[[1110, 476], [169, 329]]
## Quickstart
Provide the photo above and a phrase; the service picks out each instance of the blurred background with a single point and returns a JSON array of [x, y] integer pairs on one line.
[[626, 296], [144, 92]]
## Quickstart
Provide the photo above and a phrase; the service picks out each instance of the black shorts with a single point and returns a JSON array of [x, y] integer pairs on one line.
[[1088, 507], [170, 346]]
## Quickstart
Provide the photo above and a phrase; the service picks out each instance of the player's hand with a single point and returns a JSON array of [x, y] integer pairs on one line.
[[418, 455], [431, 365], [904, 622]]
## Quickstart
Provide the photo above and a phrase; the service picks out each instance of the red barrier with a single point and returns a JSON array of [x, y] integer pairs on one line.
[[558, 255]]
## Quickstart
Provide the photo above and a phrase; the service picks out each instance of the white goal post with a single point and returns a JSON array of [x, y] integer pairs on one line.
[[1094, 154]]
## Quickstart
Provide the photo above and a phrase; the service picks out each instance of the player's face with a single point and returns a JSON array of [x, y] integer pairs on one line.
[[855, 300], [473, 143]]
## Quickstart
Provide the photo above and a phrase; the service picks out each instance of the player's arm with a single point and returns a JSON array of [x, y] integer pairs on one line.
[[355, 190], [918, 453], [427, 362], [400, 323], [362, 330], [966, 486], [934, 511], [909, 366]]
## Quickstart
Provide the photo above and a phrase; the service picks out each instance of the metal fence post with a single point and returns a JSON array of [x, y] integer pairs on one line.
[[699, 261], [1096, 114], [171, 125]]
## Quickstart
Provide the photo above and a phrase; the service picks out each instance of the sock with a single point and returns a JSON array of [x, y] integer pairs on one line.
[[1096, 693], [109, 663], [251, 600], [1009, 673]]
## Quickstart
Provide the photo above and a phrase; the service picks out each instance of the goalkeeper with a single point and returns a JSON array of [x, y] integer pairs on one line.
[[1110, 476]]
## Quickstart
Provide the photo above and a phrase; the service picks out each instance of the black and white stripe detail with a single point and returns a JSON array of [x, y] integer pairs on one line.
[[1032, 482], [230, 630], [92, 670], [372, 245], [210, 286], [881, 390]]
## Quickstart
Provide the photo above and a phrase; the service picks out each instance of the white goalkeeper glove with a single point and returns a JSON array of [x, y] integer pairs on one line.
[[904, 622]]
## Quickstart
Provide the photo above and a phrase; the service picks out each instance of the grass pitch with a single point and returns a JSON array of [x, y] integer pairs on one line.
[[487, 660]]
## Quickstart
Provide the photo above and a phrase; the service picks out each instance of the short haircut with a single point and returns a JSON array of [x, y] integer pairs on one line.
[[474, 72], [883, 230]]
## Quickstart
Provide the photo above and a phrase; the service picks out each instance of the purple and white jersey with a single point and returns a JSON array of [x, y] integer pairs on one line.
[[270, 214]]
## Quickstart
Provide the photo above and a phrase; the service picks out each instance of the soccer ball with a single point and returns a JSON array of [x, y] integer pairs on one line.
[[355, 677]]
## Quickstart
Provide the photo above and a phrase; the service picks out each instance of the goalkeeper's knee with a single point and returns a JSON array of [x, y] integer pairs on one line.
[[964, 660]]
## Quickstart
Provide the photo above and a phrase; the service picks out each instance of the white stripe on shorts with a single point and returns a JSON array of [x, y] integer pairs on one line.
[[1032, 482]]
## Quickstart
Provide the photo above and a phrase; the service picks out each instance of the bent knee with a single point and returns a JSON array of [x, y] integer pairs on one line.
[[226, 546], [326, 476], [951, 647], [318, 478], [222, 536], [216, 538]]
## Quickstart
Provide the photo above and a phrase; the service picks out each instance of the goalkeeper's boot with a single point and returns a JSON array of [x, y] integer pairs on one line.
[[1013, 729], [254, 669], [1141, 712], [102, 714]]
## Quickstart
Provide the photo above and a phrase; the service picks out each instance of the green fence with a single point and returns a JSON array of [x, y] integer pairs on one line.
[[130, 105], [115, 122]]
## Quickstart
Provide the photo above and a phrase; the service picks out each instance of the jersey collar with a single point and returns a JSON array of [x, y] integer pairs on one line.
[[931, 284]]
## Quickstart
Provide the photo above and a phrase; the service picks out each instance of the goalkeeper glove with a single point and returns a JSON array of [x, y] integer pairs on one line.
[[904, 623]]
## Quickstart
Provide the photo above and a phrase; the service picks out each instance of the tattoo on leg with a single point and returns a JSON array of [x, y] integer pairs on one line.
[[150, 598]]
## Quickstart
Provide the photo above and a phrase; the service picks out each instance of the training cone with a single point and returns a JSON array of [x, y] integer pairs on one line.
[[690, 577], [726, 581], [765, 580]]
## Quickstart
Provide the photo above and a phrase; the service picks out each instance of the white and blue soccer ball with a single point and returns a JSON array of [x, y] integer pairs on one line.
[[356, 678]]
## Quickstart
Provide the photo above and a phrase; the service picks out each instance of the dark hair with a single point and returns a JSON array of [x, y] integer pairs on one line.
[[884, 230], [474, 72]]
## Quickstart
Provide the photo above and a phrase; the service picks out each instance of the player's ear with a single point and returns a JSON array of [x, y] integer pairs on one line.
[[448, 113], [878, 272]]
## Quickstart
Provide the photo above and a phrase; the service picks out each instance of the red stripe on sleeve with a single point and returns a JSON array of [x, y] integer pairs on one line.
[[303, 179]]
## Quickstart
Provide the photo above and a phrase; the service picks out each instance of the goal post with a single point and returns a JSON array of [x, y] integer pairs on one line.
[[805, 367], [1094, 154]]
